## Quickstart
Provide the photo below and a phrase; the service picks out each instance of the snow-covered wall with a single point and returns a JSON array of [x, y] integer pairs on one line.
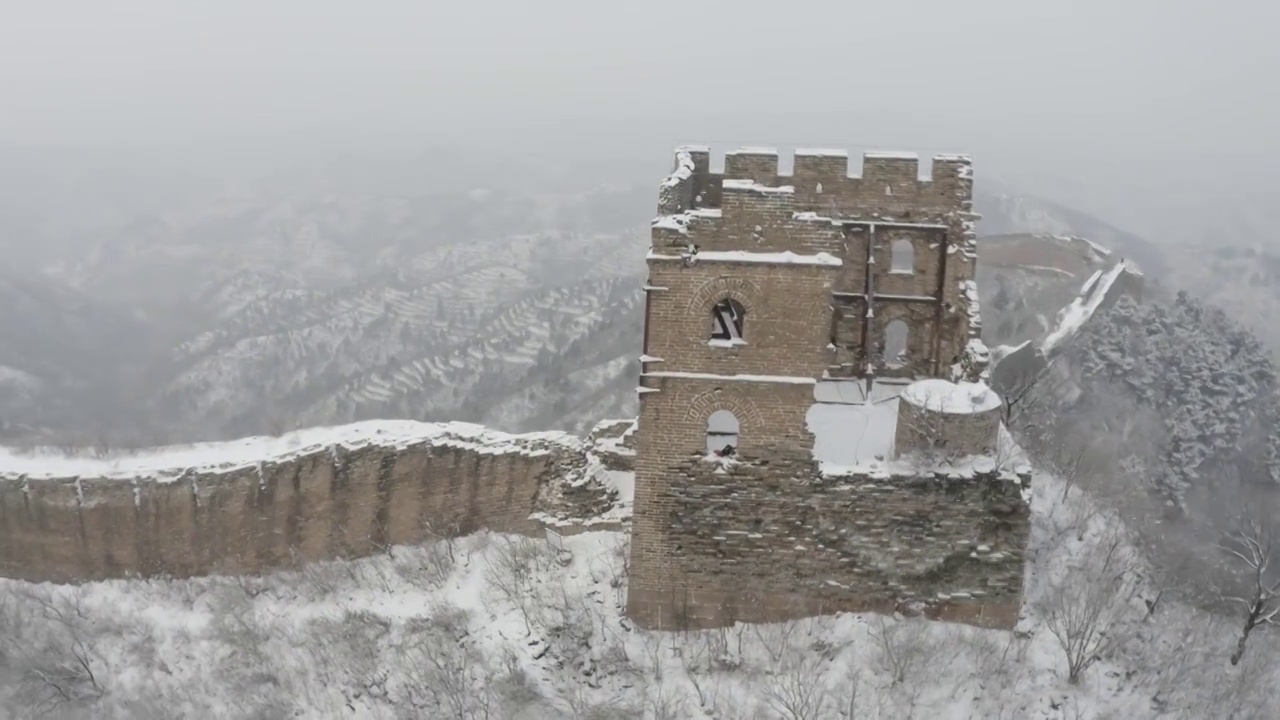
[[255, 504]]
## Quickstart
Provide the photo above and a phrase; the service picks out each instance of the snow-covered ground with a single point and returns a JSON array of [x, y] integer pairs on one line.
[[511, 627]]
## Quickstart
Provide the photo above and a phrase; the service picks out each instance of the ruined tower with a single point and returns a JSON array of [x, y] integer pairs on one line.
[[785, 315]]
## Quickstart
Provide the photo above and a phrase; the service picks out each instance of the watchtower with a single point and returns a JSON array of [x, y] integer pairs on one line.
[[769, 291]]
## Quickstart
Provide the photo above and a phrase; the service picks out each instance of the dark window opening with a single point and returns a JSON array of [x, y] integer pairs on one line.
[[727, 321]]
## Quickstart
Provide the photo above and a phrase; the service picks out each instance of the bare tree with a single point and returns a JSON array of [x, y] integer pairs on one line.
[[1089, 611], [445, 675], [513, 569], [797, 691], [1022, 397], [61, 669], [1252, 545], [903, 647]]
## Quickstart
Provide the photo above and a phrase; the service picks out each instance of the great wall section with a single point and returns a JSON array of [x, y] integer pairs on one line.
[[321, 494], [850, 486]]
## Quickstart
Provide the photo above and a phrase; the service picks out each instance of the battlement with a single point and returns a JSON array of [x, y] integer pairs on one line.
[[883, 184]]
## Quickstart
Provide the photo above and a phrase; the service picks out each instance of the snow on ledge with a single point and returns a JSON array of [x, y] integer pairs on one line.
[[891, 155], [953, 398], [783, 258], [684, 169], [166, 464], [822, 152], [753, 150], [753, 186], [789, 379]]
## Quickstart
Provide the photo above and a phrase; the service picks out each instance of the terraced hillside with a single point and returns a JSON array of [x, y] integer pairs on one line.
[[485, 329], [339, 296], [518, 309]]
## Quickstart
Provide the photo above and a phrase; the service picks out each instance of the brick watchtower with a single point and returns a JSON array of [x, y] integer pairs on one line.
[[765, 292]]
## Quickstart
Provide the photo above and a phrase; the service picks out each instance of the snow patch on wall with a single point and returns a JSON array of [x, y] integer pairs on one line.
[[782, 258], [753, 186], [848, 436]]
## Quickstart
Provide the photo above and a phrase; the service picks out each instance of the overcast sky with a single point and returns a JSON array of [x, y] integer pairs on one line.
[[1119, 97]]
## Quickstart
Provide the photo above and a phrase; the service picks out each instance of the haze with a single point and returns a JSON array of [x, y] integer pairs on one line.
[[1135, 110]]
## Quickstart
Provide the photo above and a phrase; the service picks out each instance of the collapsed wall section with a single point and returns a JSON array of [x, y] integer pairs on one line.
[[769, 541], [321, 503]]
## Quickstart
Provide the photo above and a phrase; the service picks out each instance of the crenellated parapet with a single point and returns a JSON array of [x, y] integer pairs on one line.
[[886, 183]]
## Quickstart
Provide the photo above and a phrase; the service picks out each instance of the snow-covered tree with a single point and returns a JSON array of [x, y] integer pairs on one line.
[[1211, 382]]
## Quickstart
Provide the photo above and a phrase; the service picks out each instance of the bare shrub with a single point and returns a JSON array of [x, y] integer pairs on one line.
[[580, 706], [796, 690], [444, 675], [513, 569], [428, 567], [244, 660], [902, 647], [347, 651], [57, 663], [663, 702], [514, 686], [1089, 611]]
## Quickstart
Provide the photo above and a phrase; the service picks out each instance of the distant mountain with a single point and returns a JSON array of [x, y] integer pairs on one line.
[[66, 360], [255, 313], [356, 289]]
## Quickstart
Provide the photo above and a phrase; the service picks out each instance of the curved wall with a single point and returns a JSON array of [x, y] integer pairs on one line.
[[322, 503]]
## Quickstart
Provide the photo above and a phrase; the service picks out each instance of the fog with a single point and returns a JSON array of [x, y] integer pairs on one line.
[[1132, 110]]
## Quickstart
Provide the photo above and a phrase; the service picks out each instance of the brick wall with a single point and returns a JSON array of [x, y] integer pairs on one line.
[[767, 537], [329, 504], [946, 434], [787, 324]]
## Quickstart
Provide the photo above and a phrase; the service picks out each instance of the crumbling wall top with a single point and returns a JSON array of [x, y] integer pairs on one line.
[[881, 183]]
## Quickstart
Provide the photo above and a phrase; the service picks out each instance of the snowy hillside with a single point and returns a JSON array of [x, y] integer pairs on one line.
[[1242, 280], [255, 315], [494, 626]]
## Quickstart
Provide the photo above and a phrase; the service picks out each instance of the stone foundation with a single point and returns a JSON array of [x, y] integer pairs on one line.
[[771, 539]]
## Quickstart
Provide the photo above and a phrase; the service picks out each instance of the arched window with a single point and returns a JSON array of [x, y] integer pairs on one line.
[[904, 258], [722, 434], [895, 344], [727, 322]]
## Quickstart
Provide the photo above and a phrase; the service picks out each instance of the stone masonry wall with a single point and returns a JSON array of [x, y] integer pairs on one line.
[[936, 434], [672, 430], [335, 503], [817, 208], [767, 541]]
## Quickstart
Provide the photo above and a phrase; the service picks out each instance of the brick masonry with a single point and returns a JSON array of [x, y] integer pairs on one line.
[[762, 540], [767, 536]]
